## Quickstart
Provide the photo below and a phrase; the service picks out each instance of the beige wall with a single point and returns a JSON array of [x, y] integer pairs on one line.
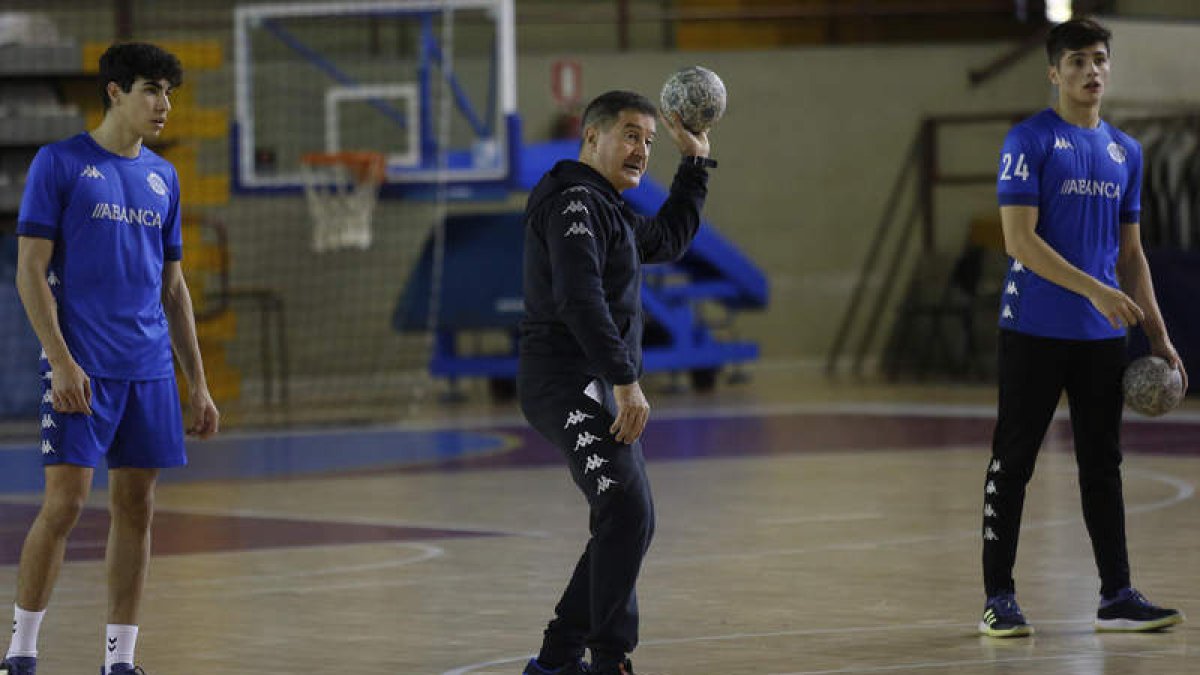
[[1152, 66], [809, 147], [1181, 9]]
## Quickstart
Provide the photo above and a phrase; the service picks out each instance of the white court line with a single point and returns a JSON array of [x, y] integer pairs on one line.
[[976, 662], [36, 499], [1183, 491], [806, 632], [176, 589], [429, 552], [351, 520], [824, 518]]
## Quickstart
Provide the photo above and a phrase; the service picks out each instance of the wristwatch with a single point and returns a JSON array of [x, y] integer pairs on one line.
[[702, 162]]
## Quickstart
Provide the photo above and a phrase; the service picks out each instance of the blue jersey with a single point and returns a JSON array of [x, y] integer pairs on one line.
[[1085, 184], [114, 221]]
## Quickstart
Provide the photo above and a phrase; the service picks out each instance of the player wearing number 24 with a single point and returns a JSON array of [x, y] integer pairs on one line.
[[1069, 187]]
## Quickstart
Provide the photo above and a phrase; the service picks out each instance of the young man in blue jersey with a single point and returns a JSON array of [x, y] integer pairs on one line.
[[100, 278], [1069, 189]]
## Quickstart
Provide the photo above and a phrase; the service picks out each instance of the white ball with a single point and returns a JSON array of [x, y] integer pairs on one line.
[[697, 95]]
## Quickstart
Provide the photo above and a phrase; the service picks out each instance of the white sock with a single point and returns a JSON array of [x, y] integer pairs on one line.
[[118, 647], [25, 632]]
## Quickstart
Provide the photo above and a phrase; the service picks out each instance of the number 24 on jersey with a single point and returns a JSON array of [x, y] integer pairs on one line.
[[1020, 171]]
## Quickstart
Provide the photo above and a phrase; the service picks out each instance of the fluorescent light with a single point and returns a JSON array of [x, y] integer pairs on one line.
[[1058, 11]]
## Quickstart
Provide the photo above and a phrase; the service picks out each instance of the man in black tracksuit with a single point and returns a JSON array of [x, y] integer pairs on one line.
[[580, 357]]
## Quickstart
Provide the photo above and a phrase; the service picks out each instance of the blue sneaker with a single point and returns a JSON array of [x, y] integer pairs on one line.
[[123, 668], [535, 668], [19, 665], [1131, 612], [1002, 618]]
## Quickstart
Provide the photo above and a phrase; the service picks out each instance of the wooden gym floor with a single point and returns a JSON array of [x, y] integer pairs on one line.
[[803, 528]]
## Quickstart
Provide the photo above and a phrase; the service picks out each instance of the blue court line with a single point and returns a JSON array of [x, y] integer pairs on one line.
[[287, 455]]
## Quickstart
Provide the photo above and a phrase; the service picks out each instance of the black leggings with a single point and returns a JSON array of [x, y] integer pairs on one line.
[[1033, 372], [598, 609]]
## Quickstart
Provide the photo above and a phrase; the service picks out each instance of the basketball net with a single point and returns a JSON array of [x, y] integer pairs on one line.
[[341, 189]]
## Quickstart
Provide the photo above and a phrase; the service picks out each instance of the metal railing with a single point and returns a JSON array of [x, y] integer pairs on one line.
[[919, 177]]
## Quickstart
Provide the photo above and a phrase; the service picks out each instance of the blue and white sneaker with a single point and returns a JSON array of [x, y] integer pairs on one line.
[[576, 668], [19, 665], [123, 669], [1131, 612], [1002, 618]]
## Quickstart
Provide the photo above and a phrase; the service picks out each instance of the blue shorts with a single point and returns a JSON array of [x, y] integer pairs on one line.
[[134, 423]]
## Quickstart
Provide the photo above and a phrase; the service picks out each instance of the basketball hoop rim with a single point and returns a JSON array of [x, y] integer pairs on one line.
[[365, 165]]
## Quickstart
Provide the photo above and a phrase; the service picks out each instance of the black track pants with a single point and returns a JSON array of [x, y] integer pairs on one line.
[[1033, 373], [598, 609]]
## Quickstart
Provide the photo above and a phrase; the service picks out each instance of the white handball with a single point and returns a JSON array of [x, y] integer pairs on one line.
[[697, 95]]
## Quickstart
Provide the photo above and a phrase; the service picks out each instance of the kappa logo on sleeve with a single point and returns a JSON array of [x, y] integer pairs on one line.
[[578, 228], [575, 207]]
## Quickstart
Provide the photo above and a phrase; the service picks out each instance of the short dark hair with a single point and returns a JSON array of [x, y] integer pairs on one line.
[[125, 62], [605, 108], [1074, 34]]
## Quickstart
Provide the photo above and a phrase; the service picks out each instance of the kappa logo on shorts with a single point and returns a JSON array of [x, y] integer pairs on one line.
[[994, 467], [48, 375], [991, 488], [1011, 289], [47, 449], [575, 207], [48, 397], [594, 462], [48, 422], [1017, 266], [584, 439], [603, 483], [1007, 313], [575, 417], [988, 511], [52, 279], [989, 535]]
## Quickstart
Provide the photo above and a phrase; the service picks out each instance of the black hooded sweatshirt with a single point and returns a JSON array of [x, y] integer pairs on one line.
[[584, 248]]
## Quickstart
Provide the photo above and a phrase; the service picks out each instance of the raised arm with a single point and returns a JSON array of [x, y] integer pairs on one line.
[[666, 236]]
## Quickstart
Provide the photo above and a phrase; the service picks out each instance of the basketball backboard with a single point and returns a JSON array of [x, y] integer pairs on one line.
[[431, 84]]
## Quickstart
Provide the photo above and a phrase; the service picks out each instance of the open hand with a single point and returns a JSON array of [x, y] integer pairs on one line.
[[1118, 308]]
